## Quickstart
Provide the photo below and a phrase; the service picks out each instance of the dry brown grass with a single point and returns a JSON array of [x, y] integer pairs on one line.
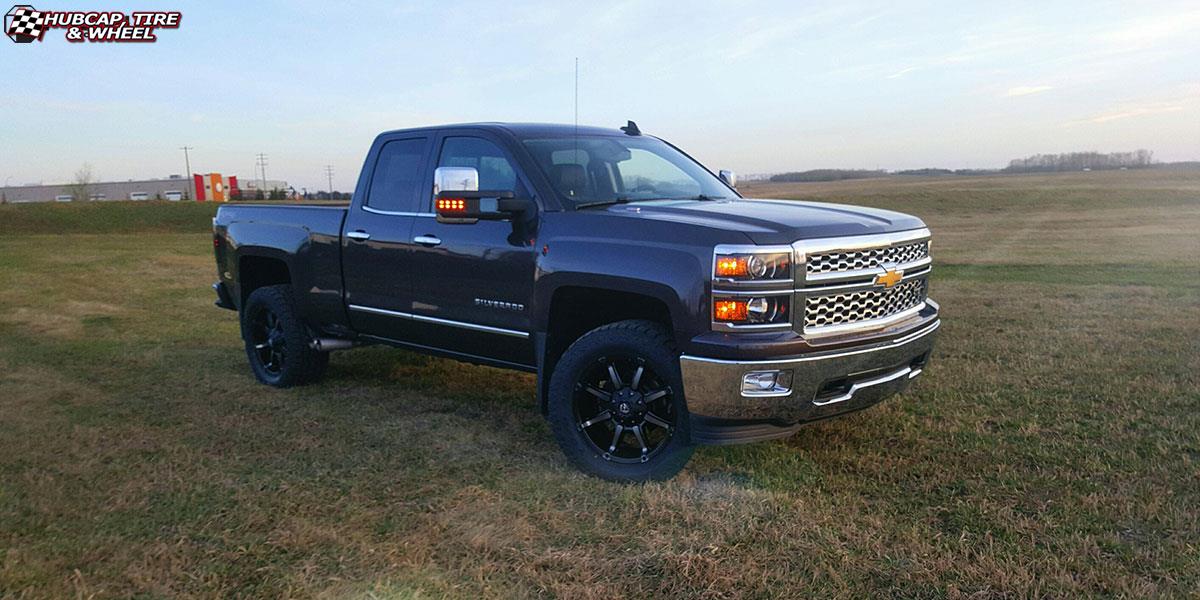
[[1051, 450]]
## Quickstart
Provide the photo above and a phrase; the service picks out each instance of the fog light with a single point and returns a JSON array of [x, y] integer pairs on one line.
[[767, 383]]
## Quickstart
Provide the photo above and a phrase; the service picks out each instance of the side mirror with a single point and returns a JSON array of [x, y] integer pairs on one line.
[[471, 206], [459, 199], [455, 179], [729, 177]]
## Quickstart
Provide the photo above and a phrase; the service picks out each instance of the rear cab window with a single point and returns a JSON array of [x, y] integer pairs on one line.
[[398, 178]]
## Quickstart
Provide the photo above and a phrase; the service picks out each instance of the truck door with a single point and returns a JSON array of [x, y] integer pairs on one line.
[[472, 282], [377, 249]]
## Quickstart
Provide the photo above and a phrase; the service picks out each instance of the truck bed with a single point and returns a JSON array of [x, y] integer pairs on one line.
[[326, 218], [304, 239]]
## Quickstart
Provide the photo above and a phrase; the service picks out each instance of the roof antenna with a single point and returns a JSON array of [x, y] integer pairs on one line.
[[631, 128], [576, 111]]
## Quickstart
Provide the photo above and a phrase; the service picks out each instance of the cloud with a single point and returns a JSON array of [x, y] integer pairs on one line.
[[902, 72], [1151, 30], [1184, 97], [1025, 90], [1134, 112]]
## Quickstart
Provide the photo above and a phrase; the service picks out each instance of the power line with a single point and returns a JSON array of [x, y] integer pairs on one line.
[[261, 163], [187, 161], [329, 174]]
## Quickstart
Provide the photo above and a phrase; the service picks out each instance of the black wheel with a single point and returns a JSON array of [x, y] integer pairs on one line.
[[616, 403], [277, 343]]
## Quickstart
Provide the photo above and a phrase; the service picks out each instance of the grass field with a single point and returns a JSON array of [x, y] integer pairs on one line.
[[1052, 449]]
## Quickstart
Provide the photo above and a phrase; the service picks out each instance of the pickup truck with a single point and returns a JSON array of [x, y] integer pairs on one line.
[[658, 308]]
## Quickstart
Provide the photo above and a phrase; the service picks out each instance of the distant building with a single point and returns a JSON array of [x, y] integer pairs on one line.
[[213, 187], [251, 187], [208, 187], [174, 186]]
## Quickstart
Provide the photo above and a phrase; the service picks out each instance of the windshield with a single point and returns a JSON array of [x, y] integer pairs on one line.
[[588, 170]]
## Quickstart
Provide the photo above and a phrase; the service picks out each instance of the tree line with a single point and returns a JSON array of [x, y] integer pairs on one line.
[[827, 175], [1078, 161]]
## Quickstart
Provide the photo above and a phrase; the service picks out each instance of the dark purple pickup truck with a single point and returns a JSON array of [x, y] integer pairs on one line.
[[658, 308]]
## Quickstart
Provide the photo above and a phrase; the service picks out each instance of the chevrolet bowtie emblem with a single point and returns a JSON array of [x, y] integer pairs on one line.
[[889, 277]]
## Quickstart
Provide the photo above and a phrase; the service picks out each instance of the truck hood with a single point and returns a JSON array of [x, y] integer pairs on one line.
[[774, 221]]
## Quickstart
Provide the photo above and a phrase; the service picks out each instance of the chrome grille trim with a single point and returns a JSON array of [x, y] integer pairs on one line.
[[865, 284], [831, 310], [842, 301], [822, 258], [861, 260], [836, 291]]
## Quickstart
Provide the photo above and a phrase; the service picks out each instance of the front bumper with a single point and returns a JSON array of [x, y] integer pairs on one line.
[[824, 384]]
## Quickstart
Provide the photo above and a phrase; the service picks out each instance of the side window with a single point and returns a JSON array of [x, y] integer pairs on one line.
[[396, 183], [495, 172]]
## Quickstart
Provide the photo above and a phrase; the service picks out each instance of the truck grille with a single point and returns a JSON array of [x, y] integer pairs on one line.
[[836, 262], [865, 305]]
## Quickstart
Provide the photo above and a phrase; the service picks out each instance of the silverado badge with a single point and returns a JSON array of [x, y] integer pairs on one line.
[[889, 277]]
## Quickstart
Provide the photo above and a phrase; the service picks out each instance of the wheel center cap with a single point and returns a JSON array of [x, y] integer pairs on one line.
[[623, 408]]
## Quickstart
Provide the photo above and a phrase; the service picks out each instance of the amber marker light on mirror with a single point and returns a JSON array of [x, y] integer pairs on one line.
[[730, 311], [451, 205]]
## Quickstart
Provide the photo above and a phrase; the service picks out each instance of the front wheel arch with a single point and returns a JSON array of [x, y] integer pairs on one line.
[[576, 310]]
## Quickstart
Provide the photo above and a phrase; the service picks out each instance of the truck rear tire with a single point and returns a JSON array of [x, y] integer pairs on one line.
[[616, 403], [277, 342]]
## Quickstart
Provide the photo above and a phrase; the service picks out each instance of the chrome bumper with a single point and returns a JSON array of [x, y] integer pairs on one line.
[[822, 385]]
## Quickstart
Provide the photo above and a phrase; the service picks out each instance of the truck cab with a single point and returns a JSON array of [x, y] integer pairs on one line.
[[658, 308]]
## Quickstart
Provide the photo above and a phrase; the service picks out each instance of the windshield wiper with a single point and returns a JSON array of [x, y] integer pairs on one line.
[[617, 200], [701, 197]]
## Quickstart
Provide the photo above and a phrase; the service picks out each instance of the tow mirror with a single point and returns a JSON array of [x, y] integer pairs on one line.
[[459, 199], [729, 177], [471, 206], [455, 179]]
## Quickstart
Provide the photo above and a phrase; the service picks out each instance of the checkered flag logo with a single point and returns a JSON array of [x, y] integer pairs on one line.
[[24, 23]]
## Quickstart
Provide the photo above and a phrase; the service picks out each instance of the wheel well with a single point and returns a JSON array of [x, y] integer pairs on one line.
[[575, 311], [258, 271]]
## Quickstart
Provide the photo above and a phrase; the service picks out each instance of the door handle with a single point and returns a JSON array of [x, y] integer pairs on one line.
[[358, 235], [427, 240]]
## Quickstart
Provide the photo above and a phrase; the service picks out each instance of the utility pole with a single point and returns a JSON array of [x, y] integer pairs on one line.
[[188, 162], [262, 164], [329, 174]]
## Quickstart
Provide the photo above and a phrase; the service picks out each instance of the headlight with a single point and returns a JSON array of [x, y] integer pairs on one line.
[[747, 310], [753, 267]]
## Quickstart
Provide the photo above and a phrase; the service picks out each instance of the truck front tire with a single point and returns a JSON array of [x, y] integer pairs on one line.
[[616, 403], [277, 342]]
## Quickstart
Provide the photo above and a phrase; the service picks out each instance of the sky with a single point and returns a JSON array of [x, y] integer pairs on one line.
[[756, 87]]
